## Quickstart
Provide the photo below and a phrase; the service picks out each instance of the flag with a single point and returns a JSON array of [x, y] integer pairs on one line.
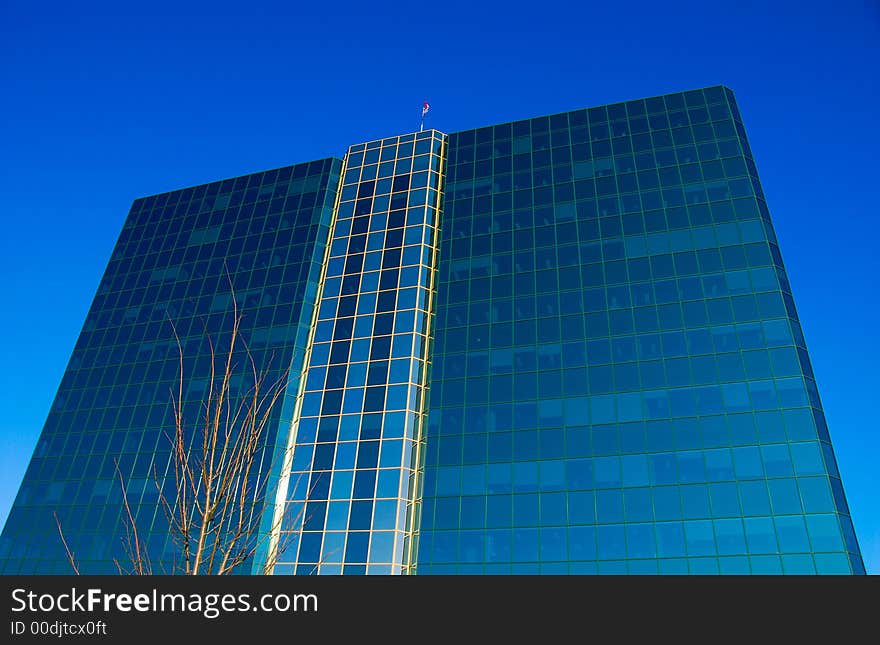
[[425, 109]]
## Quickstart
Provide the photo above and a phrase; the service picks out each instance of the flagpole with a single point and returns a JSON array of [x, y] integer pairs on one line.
[[422, 121]]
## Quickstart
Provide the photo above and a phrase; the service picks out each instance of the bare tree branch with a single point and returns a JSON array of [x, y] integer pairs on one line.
[[70, 558], [215, 490]]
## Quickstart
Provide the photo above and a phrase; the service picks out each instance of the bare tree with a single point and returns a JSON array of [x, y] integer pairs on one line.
[[216, 487]]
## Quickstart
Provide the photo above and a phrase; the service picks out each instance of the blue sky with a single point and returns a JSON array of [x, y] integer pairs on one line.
[[106, 102]]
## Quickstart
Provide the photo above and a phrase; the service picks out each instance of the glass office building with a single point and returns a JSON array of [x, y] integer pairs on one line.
[[560, 345]]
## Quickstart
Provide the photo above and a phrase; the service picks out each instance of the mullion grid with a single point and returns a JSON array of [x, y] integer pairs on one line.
[[113, 384], [336, 544], [467, 200]]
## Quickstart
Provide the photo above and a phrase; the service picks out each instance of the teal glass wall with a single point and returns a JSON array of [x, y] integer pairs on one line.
[[174, 261], [619, 380], [353, 484]]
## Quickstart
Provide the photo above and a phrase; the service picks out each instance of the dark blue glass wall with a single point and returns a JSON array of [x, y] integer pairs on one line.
[[619, 380], [178, 259]]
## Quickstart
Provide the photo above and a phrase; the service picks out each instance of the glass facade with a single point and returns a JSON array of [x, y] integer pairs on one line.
[[179, 259], [354, 476], [619, 380], [560, 345]]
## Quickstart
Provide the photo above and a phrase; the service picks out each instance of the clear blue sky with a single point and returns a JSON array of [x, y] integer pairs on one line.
[[106, 102]]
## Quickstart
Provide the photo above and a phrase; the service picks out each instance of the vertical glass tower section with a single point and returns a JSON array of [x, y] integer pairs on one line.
[[619, 379], [357, 436]]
